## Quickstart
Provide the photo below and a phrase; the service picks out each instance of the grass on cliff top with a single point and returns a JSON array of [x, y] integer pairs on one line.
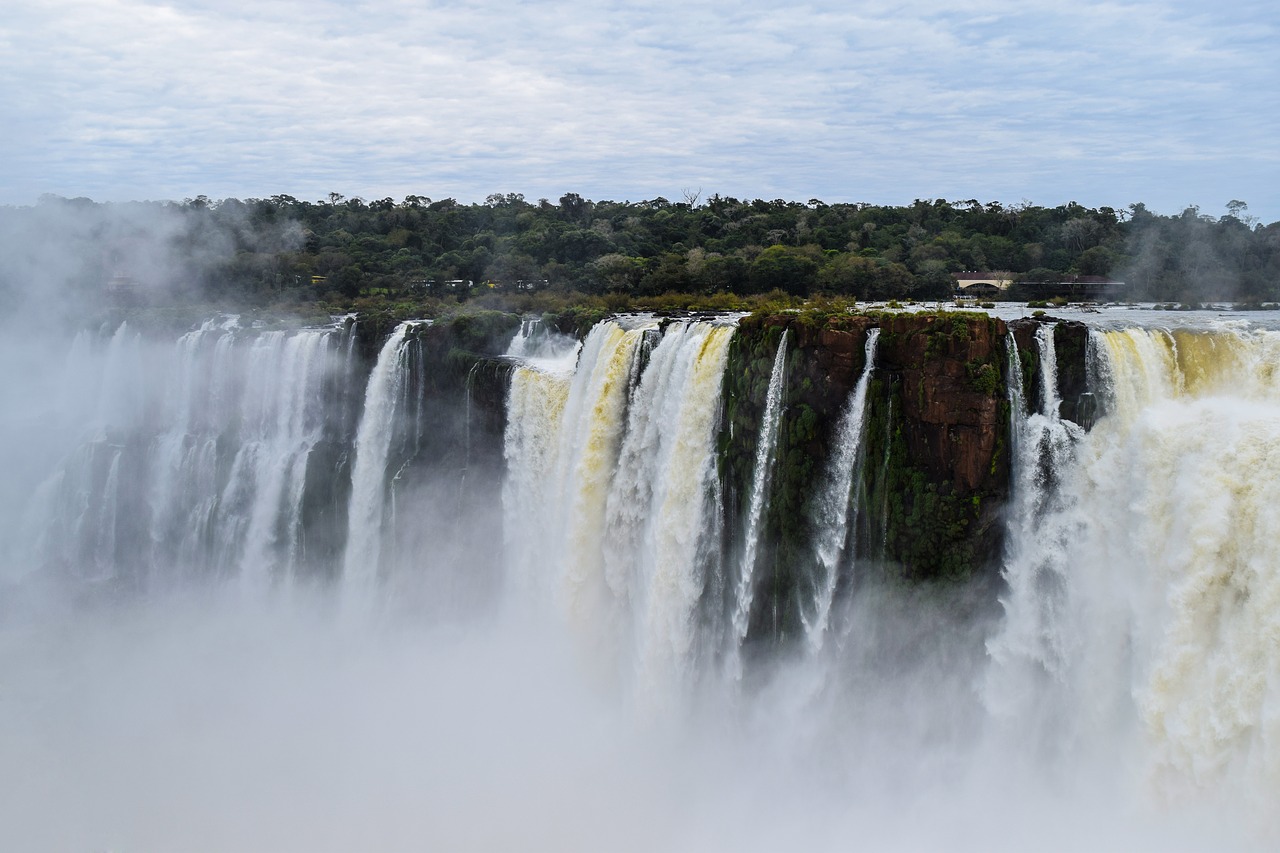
[[831, 312], [393, 307]]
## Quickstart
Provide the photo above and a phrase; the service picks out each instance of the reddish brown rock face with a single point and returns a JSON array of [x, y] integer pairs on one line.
[[1070, 342], [953, 422], [952, 426], [936, 439], [839, 351]]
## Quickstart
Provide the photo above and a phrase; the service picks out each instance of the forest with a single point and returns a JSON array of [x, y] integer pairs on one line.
[[342, 251]]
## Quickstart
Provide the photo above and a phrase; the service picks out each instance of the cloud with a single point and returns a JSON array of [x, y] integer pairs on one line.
[[1101, 102]]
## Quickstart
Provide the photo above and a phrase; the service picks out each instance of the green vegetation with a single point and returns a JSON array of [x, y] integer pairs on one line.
[[419, 256], [916, 526], [919, 518], [983, 377]]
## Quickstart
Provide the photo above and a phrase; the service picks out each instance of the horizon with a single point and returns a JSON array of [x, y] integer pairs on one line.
[[1124, 212], [1106, 104]]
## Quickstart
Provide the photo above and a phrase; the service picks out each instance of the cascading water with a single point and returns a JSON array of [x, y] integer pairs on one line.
[[536, 400], [1134, 664], [589, 440], [520, 344], [1041, 528], [657, 506], [369, 476], [611, 474], [837, 508], [196, 467], [1050, 401], [536, 342], [1189, 505], [1159, 626], [766, 445], [535, 412], [280, 441]]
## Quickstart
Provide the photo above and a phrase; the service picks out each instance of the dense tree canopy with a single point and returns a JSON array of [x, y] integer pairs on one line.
[[278, 245]]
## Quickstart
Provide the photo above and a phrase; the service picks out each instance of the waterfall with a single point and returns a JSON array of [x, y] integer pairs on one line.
[[590, 438], [766, 445], [284, 425], [104, 556], [192, 456], [606, 499], [382, 400], [537, 343], [1186, 481], [520, 343], [188, 517], [121, 394], [1050, 402], [563, 435], [836, 506], [536, 400], [535, 411], [1042, 524], [184, 477], [657, 510], [1147, 571]]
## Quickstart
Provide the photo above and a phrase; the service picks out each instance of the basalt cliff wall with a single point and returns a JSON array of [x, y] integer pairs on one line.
[[933, 471], [933, 474]]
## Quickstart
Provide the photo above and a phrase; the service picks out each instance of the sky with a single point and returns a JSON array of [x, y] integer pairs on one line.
[[1170, 103]]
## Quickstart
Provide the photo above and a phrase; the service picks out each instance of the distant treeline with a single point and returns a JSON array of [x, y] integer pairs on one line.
[[285, 249]]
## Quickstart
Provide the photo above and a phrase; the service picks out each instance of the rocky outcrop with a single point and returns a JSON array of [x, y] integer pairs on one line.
[[950, 367], [825, 357], [934, 469], [1070, 345], [937, 448], [933, 474]]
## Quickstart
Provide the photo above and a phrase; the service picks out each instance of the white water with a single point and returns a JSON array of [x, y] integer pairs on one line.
[[1143, 616], [536, 343], [837, 507], [139, 493], [1050, 401], [658, 501], [1193, 480], [1041, 528], [369, 477], [766, 446], [589, 440], [607, 488], [285, 422], [1127, 702]]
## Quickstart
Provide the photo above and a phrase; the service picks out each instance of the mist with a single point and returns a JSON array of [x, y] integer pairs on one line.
[[66, 260], [1194, 257], [199, 722], [192, 658]]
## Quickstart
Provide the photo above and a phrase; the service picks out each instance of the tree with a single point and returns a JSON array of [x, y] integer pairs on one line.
[[783, 268], [849, 275], [347, 281], [574, 207], [616, 273], [670, 273], [1239, 211], [1096, 261]]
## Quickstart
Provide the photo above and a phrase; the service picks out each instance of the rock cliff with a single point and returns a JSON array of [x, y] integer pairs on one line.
[[934, 469], [931, 480]]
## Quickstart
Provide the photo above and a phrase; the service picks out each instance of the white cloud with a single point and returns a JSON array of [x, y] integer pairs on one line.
[[1102, 102]]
